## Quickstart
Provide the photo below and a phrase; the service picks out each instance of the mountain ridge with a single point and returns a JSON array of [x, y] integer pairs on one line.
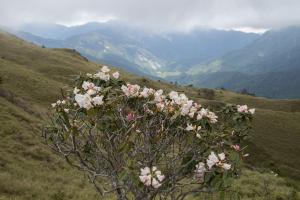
[[267, 67], [151, 53]]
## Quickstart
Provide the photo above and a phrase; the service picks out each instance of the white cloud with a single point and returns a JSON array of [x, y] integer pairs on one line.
[[156, 14]]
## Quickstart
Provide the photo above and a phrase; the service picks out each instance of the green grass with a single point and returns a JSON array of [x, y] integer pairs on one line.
[[28, 169], [30, 78], [248, 187]]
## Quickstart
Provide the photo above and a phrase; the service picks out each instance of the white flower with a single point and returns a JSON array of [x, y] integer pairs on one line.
[[222, 156], [53, 105], [145, 171], [252, 110], [206, 113], [199, 117], [173, 94], [183, 99], [102, 76], [159, 176], [116, 75], [131, 90], [151, 177], [155, 183], [76, 90], [200, 170], [202, 113], [212, 117], [145, 176], [185, 109], [190, 127], [244, 109], [178, 99], [226, 166], [66, 110], [125, 90], [193, 109], [58, 102], [151, 91], [91, 92], [87, 85], [98, 100], [146, 179], [89, 75], [105, 69], [213, 159], [84, 101], [158, 96], [145, 92]]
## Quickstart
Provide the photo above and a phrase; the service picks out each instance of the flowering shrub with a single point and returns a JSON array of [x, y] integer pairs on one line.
[[144, 143]]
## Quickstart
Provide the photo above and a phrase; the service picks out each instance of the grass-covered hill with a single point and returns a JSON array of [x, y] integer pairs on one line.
[[30, 78]]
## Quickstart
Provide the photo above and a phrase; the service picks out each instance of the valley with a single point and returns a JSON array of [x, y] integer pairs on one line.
[[266, 65]]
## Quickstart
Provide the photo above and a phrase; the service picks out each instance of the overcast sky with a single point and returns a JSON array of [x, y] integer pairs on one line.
[[156, 14]]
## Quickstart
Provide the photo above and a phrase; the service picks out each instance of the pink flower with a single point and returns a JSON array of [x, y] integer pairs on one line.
[[131, 116], [236, 147]]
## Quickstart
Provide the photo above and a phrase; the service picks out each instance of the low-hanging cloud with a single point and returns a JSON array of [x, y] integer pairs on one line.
[[155, 14]]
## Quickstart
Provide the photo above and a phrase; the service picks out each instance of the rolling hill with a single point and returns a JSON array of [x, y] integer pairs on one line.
[[30, 78], [270, 67]]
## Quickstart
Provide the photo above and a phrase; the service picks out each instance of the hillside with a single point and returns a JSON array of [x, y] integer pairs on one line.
[[137, 50], [30, 78], [269, 67]]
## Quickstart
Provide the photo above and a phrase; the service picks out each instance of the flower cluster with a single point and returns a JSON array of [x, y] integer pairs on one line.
[[245, 109], [103, 74], [172, 102], [58, 103], [131, 90], [91, 97], [219, 161], [208, 114], [213, 160], [151, 177], [146, 92]]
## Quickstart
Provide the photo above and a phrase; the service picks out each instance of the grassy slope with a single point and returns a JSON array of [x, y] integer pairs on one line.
[[276, 132], [30, 78]]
